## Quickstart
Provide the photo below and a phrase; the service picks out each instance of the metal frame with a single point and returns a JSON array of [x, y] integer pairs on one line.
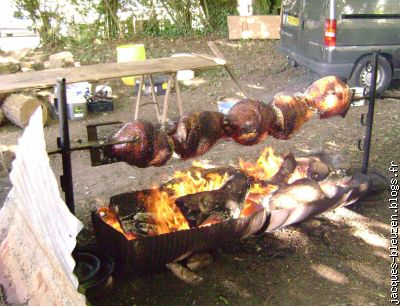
[[366, 148]]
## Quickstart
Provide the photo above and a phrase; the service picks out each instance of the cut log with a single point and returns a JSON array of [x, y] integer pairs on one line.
[[18, 109], [217, 205]]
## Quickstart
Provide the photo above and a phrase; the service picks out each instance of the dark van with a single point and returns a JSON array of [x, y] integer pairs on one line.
[[336, 37]]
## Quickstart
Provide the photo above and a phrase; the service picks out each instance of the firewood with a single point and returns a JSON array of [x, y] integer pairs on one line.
[[199, 261], [18, 109], [185, 274], [225, 203]]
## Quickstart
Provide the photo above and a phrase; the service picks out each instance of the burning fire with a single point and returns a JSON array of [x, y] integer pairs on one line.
[[189, 183], [266, 166], [167, 217]]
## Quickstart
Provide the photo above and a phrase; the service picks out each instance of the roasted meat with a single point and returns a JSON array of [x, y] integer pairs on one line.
[[151, 146], [163, 147], [291, 113], [139, 152], [329, 96], [197, 133], [249, 121]]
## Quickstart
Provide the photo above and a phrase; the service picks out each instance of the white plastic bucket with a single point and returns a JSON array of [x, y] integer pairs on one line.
[[226, 104]]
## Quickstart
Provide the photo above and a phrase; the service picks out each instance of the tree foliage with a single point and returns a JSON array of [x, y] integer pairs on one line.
[[90, 19]]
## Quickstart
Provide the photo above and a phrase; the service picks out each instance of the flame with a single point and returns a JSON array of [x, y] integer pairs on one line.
[[167, 215], [189, 183], [266, 166]]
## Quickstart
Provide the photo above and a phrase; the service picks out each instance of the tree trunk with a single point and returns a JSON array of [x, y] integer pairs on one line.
[[18, 109]]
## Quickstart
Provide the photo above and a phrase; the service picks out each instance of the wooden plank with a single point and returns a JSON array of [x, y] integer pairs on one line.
[[254, 27], [97, 72]]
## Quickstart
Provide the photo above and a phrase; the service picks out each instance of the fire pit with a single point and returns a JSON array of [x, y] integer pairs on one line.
[[202, 208]]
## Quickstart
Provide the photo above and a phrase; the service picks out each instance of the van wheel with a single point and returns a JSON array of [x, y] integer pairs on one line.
[[362, 73]]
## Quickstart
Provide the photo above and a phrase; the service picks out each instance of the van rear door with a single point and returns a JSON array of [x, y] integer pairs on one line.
[[313, 14], [290, 23]]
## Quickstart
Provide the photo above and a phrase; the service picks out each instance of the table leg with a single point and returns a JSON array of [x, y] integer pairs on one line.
[[166, 98], [154, 98], [139, 97], [178, 95]]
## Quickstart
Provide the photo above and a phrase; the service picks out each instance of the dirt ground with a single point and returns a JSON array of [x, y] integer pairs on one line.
[[342, 258]]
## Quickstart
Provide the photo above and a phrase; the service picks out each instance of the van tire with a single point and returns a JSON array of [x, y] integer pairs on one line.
[[360, 76]]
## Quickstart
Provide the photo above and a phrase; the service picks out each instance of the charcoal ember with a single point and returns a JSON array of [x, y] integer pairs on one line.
[[249, 121], [300, 192], [291, 114], [329, 96], [138, 153], [163, 148], [197, 133], [223, 204]]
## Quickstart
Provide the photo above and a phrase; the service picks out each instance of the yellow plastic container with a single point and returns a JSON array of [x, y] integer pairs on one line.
[[130, 53]]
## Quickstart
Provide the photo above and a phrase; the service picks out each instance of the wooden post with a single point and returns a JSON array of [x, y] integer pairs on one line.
[[139, 97], [153, 94], [178, 95], [166, 98]]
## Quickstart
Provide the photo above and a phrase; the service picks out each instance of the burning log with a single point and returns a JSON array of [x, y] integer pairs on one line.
[[216, 205]]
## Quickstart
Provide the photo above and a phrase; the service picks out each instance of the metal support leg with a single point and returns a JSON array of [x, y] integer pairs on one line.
[[370, 115], [64, 144]]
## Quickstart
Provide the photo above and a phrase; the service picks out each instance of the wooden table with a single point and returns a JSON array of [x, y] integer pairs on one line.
[[92, 73]]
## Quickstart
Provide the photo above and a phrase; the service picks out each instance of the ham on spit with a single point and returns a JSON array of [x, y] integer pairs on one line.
[[248, 122]]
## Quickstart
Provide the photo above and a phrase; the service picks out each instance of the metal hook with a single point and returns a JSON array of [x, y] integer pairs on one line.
[[362, 120], [360, 145]]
